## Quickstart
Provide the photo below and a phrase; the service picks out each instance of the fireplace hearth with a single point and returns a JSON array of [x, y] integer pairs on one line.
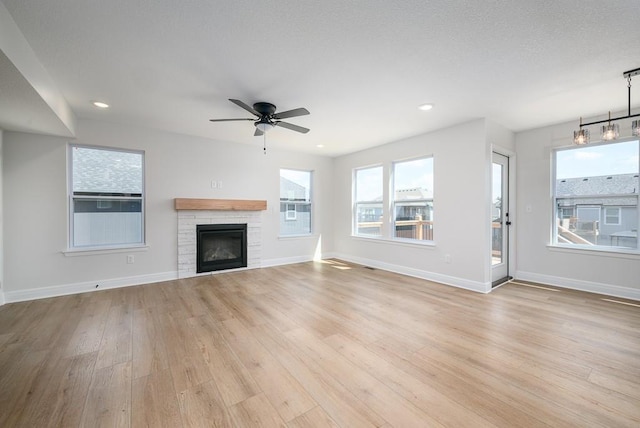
[[220, 247]]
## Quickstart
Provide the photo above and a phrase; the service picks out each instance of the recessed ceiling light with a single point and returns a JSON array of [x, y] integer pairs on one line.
[[100, 104], [425, 107], [320, 146]]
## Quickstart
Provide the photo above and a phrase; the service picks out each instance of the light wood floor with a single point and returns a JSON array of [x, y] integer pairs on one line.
[[320, 345]]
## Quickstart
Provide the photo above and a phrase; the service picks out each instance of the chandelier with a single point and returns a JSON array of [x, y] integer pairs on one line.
[[611, 131]]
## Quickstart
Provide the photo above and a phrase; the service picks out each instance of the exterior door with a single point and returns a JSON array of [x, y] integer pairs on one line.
[[500, 220]]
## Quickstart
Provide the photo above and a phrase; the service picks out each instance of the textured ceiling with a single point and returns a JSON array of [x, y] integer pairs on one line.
[[360, 67]]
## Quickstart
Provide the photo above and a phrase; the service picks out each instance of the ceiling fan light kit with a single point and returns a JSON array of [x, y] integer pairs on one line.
[[611, 131]]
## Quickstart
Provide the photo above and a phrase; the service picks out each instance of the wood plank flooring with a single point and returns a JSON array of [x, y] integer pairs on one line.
[[324, 344]]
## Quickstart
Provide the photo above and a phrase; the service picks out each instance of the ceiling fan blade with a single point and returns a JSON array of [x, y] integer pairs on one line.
[[227, 120], [244, 106], [291, 113], [258, 133], [292, 127]]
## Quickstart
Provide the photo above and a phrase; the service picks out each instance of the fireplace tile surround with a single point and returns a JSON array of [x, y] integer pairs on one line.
[[188, 219]]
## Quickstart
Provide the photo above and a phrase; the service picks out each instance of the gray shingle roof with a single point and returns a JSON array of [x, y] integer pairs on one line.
[[621, 184], [106, 171], [615, 190]]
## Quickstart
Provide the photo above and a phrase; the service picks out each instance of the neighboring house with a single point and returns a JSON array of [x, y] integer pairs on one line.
[[602, 210], [295, 210]]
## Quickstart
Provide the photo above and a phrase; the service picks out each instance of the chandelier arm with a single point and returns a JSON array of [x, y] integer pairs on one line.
[[609, 120]]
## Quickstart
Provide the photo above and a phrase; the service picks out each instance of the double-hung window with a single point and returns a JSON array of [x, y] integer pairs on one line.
[[106, 197], [412, 202], [596, 196], [295, 202], [368, 201]]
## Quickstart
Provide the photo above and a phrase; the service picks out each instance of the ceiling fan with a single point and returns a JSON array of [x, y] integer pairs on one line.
[[267, 118]]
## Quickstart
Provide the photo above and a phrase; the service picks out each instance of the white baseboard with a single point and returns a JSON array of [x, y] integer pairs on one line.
[[1, 298], [84, 287], [285, 261], [422, 274], [578, 284]]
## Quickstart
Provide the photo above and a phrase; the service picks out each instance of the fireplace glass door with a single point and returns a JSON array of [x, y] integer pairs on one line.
[[221, 246]]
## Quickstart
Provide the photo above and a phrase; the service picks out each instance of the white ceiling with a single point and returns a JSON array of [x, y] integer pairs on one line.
[[360, 67]]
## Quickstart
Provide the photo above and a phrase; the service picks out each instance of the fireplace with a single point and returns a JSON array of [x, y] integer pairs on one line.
[[220, 246]]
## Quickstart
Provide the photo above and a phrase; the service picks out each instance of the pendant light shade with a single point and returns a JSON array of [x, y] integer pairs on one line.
[[610, 131], [581, 137]]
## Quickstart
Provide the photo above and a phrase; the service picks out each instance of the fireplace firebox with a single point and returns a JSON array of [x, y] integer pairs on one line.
[[221, 246]]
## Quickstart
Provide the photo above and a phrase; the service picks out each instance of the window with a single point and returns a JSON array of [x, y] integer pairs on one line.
[[106, 197], [295, 202], [599, 183], [612, 216], [413, 199], [368, 201], [291, 212]]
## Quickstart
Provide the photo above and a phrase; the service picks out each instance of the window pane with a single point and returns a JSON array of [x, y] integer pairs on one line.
[[110, 222], [413, 199], [369, 184], [106, 171], [588, 181], [368, 207], [295, 202], [106, 197]]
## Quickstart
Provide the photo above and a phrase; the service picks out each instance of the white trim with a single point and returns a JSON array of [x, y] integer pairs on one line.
[[618, 216], [2, 301], [406, 242], [84, 287], [422, 274], [286, 261], [100, 251], [578, 284], [599, 250]]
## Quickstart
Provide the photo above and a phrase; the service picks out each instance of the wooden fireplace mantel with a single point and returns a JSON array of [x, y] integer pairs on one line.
[[220, 204]]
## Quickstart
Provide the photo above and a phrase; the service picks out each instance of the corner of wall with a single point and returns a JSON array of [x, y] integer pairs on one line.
[[1, 225]]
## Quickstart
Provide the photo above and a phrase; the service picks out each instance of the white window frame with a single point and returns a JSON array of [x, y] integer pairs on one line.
[[357, 203], [290, 211], [288, 200], [102, 202], [554, 230], [394, 202], [618, 211]]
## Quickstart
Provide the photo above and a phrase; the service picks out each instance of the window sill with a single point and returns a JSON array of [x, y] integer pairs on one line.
[[93, 251], [402, 242], [624, 253]]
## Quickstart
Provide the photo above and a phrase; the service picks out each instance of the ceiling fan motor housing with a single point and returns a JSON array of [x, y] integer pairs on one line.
[[265, 109]]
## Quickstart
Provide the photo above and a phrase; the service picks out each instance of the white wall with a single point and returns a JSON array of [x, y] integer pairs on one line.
[[462, 177], [176, 166], [601, 272], [1, 228]]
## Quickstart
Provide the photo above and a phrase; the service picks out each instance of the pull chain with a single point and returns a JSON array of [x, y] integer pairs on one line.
[[264, 143]]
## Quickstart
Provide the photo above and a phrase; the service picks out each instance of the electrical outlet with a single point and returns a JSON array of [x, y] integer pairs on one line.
[[447, 258], [130, 259]]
